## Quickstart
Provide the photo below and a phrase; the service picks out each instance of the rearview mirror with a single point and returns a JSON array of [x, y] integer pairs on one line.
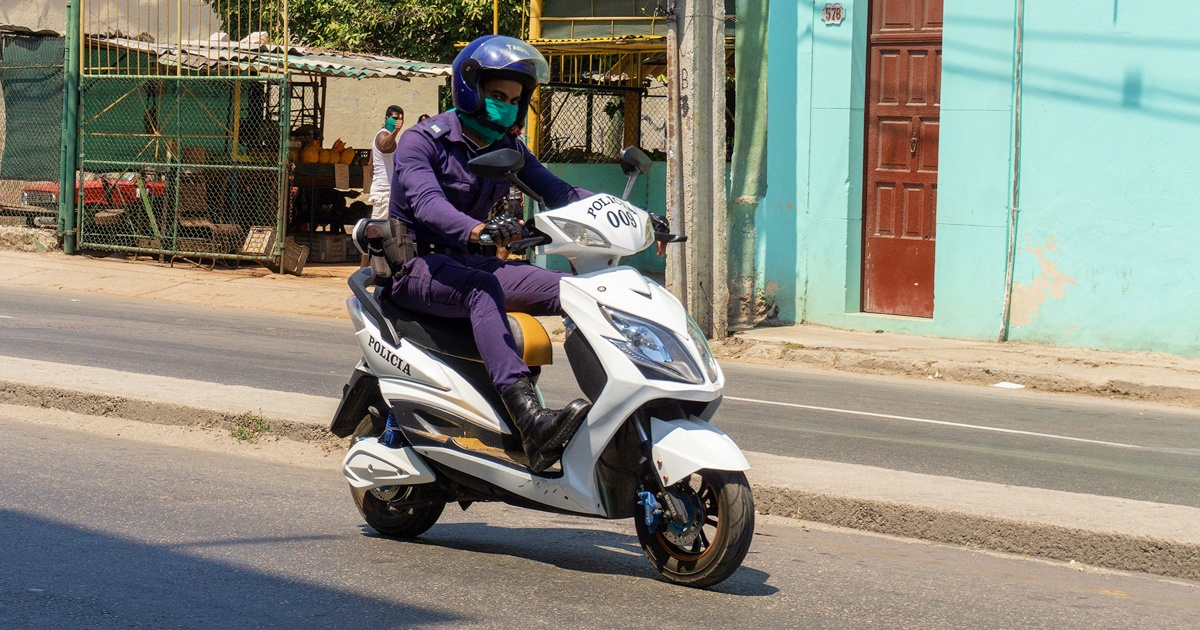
[[634, 159], [498, 164]]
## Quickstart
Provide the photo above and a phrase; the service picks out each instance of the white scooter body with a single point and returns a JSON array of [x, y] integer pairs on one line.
[[593, 234]]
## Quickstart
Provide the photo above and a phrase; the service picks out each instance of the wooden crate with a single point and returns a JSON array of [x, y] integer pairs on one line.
[[324, 248]]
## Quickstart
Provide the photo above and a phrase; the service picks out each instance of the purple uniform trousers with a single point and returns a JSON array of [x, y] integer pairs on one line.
[[483, 289]]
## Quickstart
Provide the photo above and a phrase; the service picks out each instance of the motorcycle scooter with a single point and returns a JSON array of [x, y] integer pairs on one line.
[[646, 450]]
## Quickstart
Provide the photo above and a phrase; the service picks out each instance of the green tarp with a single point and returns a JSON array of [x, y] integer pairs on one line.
[[31, 79]]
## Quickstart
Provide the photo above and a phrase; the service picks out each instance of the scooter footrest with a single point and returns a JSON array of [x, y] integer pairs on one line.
[[473, 444]]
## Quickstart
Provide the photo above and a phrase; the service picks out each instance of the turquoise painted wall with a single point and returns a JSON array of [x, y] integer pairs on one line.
[[816, 130], [649, 193], [781, 269], [1110, 122], [1107, 232]]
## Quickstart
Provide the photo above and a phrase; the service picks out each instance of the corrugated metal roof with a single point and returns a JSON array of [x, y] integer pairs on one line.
[[212, 55], [606, 45]]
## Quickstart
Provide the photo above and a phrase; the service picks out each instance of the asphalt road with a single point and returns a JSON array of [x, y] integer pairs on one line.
[[1078, 444], [101, 531]]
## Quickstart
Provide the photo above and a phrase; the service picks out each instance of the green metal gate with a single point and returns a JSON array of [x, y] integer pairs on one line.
[[182, 133]]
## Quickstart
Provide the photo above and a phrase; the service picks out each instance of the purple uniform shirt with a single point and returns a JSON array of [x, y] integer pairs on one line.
[[440, 199]]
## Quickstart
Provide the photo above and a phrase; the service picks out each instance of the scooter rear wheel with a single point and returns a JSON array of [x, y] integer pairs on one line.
[[715, 541], [378, 506]]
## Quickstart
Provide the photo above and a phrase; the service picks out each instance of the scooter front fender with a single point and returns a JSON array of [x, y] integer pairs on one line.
[[681, 447]]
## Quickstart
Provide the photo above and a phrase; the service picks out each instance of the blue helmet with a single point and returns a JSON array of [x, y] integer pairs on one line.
[[492, 57]]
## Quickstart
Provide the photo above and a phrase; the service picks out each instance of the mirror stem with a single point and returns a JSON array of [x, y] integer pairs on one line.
[[512, 177], [629, 185]]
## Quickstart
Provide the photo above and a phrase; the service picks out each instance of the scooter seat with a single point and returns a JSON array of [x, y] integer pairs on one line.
[[454, 337]]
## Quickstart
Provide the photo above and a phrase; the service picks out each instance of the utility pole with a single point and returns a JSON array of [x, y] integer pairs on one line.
[[696, 160]]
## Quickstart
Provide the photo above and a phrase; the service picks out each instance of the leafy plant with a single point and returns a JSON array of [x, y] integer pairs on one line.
[[248, 427], [421, 30]]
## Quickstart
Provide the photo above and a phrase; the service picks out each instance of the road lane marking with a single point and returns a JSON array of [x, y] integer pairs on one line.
[[959, 425], [7, 317]]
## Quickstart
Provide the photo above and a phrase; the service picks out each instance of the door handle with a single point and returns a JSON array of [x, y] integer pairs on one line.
[[912, 144]]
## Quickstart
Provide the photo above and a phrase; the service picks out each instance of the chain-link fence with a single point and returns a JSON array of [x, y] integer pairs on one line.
[[588, 124], [31, 82], [654, 127], [185, 166], [183, 129]]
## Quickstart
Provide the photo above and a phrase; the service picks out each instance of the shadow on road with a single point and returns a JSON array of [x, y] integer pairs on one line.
[[573, 548], [61, 576]]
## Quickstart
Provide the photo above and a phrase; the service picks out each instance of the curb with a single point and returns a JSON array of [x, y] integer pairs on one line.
[[155, 412], [1110, 550], [1113, 550], [835, 359]]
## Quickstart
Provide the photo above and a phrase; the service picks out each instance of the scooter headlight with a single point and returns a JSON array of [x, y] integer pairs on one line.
[[656, 351], [706, 355], [580, 233]]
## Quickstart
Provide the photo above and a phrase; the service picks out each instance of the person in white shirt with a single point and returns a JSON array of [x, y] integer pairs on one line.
[[382, 149]]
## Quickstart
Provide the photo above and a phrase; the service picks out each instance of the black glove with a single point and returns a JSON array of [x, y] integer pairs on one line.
[[499, 230], [662, 230], [660, 223]]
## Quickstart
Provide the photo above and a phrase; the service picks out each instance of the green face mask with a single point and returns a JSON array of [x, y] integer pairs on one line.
[[389, 123], [499, 113]]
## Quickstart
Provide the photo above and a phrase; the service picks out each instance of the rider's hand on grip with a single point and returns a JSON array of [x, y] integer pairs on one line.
[[499, 230], [662, 231]]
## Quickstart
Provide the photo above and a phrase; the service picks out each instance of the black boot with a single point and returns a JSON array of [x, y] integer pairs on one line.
[[544, 432]]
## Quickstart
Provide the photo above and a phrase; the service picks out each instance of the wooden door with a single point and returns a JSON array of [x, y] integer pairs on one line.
[[901, 157]]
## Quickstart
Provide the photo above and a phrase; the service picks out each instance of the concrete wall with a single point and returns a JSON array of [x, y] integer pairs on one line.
[[1110, 122], [132, 17], [354, 108]]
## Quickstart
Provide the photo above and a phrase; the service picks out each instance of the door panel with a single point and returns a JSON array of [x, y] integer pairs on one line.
[[893, 144], [903, 108]]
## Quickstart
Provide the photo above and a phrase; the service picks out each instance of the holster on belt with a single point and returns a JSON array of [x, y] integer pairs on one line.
[[389, 247]]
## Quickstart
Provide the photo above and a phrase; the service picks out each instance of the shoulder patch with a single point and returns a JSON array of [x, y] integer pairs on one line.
[[437, 130]]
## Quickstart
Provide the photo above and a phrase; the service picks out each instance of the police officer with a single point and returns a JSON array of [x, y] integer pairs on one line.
[[445, 207]]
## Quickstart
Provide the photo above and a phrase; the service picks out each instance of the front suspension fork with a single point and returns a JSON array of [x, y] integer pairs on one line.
[[654, 510]]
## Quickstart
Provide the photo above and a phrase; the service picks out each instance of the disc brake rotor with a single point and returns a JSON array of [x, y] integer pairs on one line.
[[684, 536]]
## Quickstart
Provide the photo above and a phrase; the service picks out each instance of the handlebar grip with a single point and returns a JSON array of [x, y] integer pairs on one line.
[[525, 243]]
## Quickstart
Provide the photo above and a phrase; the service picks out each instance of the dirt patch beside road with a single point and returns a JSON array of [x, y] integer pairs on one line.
[[27, 239]]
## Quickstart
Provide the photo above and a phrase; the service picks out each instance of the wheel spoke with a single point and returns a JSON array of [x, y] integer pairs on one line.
[[701, 541]]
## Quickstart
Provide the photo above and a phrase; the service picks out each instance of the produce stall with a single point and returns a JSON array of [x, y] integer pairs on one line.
[[326, 175]]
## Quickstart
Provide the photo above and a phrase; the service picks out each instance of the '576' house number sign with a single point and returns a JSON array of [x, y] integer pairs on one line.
[[833, 14]]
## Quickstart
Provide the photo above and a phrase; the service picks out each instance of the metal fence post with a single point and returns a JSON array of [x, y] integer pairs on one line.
[[69, 160]]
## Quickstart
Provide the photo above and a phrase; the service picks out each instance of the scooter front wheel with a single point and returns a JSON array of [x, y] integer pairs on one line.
[[712, 545], [379, 506]]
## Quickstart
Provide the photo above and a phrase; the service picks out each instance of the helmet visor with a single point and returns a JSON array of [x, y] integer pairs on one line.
[[515, 56]]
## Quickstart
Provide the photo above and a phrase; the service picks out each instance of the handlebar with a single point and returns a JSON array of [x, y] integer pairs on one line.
[[526, 243], [662, 230]]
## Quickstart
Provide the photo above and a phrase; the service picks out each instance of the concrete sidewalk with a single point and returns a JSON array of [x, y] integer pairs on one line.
[[322, 292], [1102, 531]]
